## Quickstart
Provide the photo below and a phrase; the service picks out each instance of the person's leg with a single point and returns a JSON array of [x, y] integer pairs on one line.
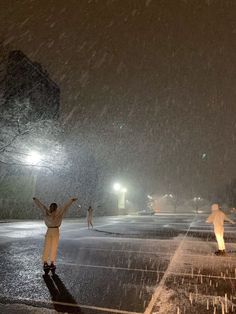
[[47, 246], [91, 222], [54, 247], [220, 240]]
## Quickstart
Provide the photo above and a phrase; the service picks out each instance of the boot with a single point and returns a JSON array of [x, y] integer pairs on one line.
[[220, 253], [46, 268], [53, 268]]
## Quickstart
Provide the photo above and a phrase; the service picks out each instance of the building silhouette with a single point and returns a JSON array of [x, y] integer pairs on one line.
[[27, 95], [26, 83]]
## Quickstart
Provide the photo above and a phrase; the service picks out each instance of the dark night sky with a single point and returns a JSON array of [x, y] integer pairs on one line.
[[153, 80]]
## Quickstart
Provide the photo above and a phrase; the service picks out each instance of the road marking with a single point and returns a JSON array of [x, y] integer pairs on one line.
[[200, 275], [166, 274], [90, 307], [119, 239], [156, 253], [123, 251], [111, 267], [149, 271]]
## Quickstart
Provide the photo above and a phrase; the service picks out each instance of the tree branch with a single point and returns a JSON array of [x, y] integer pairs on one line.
[[26, 165], [3, 148]]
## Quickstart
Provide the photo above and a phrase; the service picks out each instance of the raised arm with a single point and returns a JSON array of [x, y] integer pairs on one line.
[[226, 218], [210, 219], [63, 209], [39, 204]]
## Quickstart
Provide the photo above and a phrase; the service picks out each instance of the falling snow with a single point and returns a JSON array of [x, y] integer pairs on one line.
[[139, 93]]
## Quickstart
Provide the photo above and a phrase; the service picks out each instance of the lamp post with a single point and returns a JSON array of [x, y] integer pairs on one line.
[[196, 201], [120, 192], [116, 188], [122, 197]]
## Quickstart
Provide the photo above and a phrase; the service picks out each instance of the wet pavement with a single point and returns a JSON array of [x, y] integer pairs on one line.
[[127, 264]]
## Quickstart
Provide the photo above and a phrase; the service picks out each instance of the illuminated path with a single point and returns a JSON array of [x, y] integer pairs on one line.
[[156, 264]]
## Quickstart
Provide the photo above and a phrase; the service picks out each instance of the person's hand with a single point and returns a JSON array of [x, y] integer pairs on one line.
[[74, 199]]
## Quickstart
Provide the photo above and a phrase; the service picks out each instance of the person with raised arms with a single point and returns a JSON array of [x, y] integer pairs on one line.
[[53, 216]]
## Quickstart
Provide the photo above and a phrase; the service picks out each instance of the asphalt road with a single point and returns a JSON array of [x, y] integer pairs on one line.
[[127, 264]]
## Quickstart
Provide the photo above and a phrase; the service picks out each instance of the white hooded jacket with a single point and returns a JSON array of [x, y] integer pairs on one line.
[[217, 218]]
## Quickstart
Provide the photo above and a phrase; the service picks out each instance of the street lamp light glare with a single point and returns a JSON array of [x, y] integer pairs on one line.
[[117, 187], [33, 157]]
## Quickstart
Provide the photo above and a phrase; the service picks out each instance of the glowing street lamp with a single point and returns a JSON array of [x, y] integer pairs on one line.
[[34, 157], [117, 187]]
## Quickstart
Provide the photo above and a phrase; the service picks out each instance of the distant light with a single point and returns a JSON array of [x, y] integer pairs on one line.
[[149, 196], [204, 156], [124, 190], [117, 187], [34, 158]]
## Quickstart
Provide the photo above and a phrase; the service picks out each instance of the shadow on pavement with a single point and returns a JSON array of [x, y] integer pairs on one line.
[[109, 232], [62, 300]]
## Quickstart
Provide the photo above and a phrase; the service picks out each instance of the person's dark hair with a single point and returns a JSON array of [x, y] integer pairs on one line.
[[53, 207]]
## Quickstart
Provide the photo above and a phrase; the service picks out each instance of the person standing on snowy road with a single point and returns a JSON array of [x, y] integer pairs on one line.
[[217, 218], [90, 217], [53, 217]]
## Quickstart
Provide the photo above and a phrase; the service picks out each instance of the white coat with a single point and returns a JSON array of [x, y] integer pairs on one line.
[[217, 218], [53, 219]]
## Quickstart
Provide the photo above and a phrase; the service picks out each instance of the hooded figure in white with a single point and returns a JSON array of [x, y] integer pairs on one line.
[[217, 218]]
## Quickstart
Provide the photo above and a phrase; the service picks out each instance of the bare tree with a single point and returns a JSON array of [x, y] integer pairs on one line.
[[22, 136]]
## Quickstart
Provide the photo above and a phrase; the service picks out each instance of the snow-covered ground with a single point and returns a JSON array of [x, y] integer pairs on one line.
[[197, 281], [127, 264]]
